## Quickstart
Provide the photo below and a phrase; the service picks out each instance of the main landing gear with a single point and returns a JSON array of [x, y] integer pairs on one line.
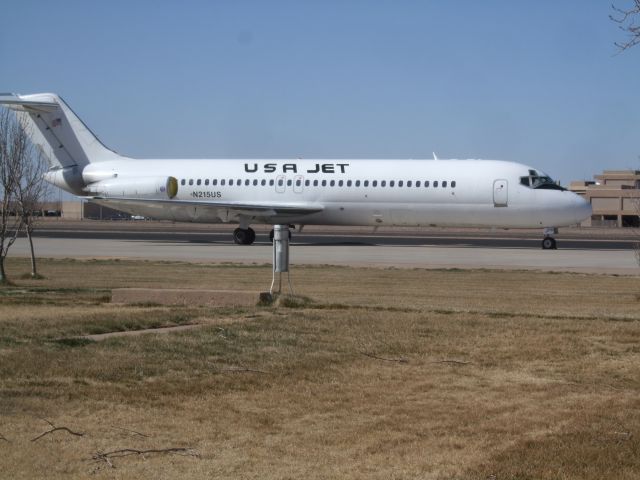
[[548, 242], [244, 236]]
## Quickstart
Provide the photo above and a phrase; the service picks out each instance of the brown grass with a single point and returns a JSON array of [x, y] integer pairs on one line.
[[380, 373]]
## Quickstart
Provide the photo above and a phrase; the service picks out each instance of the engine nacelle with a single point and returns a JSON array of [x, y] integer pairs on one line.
[[139, 187]]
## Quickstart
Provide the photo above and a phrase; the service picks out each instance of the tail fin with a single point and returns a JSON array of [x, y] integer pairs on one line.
[[63, 138]]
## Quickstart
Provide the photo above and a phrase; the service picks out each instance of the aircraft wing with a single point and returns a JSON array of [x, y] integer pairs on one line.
[[212, 207]]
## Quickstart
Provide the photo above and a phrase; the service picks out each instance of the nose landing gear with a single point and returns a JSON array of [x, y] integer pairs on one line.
[[548, 242], [244, 236]]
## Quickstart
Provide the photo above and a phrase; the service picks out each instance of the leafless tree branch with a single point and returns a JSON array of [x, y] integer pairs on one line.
[[55, 429], [106, 457], [131, 431], [626, 19], [398, 360], [454, 362]]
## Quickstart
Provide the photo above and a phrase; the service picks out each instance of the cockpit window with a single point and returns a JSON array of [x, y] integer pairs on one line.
[[539, 181]]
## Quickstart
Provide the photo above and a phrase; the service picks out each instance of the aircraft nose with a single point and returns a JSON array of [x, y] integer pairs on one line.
[[582, 208]]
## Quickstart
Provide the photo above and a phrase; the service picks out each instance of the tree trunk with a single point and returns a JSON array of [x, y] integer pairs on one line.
[[34, 273], [3, 275]]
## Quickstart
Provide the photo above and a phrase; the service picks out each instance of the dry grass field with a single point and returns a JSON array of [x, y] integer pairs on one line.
[[380, 373]]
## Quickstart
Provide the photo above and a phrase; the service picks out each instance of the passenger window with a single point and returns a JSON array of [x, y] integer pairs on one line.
[[332, 183], [453, 184], [272, 182], [247, 182], [340, 183], [357, 183], [444, 184], [366, 183], [392, 183], [280, 182], [298, 183], [400, 183], [374, 183], [435, 184], [263, 182], [408, 183], [191, 181], [426, 184], [214, 181], [183, 181], [255, 182], [198, 182], [307, 183], [315, 183], [324, 183], [349, 183], [417, 183], [206, 181], [222, 182], [231, 182], [289, 182]]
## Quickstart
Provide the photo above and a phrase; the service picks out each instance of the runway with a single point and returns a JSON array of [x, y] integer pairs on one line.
[[495, 250]]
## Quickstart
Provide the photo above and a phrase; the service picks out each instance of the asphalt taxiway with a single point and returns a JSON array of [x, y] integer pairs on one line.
[[578, 251]]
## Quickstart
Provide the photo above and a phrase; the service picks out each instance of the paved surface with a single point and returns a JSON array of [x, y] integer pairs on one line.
[[425, 253], [589, 239]]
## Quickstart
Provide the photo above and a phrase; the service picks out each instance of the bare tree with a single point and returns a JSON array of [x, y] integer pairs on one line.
[[627, 20], [13, 145], [30, 191]]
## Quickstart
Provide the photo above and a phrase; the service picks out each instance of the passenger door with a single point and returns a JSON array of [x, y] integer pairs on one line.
[[500, 193]]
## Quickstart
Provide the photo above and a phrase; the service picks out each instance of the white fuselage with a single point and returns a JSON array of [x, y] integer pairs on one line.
[[355, 192]]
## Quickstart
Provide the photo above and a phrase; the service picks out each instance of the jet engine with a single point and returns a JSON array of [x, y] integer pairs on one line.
[[139, 187]]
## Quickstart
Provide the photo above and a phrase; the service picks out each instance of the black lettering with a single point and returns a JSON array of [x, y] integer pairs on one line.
[[270, 167], [342, 167], [316, 170], [290, 167], [328, 168], [248, 170]]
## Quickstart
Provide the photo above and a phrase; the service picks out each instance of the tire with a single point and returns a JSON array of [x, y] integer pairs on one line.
[[549, 243], [240, 236], [251, 234]]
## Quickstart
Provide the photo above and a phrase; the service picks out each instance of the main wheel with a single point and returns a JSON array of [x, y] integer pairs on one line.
[[549, 243], [243, 236], [252, 236]]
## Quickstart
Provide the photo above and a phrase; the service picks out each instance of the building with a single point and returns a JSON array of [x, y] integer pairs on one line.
[[80, 210], [614, 196]]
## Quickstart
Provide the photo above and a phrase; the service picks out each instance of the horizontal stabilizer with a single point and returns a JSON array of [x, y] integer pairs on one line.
[[14, 101]]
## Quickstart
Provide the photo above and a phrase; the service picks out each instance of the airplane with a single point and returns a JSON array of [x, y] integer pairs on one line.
[[356, 192]]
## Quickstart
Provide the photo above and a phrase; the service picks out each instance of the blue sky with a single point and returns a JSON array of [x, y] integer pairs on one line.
[[537, 82]]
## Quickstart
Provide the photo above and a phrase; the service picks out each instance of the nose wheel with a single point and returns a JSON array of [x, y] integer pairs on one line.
[[549, 243], [244, 236]]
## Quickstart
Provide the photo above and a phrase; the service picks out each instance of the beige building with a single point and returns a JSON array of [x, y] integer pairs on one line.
[[80, 210], [614, 196]]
